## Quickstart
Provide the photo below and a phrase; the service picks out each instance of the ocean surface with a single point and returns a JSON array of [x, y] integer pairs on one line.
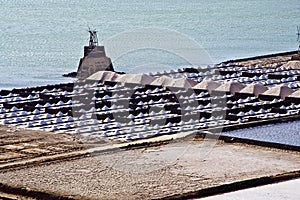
[[43, 39]]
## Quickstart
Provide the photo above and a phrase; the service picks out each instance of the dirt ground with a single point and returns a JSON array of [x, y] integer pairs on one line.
[[20, 144], [154, 172]]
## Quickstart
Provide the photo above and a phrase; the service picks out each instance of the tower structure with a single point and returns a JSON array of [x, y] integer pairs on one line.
[[94, 58]]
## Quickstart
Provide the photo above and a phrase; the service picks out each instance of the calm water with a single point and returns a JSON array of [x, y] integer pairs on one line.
[[283, 133], [43, 39]]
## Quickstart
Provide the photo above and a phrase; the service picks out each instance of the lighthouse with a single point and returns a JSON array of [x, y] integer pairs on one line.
[[94, 58]]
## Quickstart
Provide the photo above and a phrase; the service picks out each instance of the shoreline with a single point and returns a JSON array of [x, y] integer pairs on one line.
[[238, 60], [284, 53], [245, 59]]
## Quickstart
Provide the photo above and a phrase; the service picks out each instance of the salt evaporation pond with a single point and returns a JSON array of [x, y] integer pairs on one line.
[[284, 133], [279, 191]]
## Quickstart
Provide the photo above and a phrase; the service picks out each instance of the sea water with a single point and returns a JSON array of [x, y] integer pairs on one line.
[[43, 39]]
